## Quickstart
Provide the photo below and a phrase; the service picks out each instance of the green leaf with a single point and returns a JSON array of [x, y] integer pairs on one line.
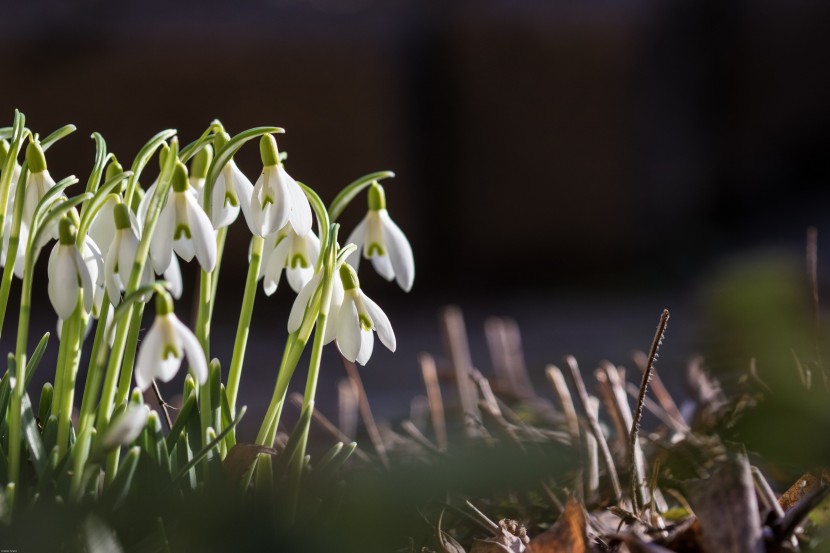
[[62, 132], [37, 355], [213, 443], [44, 408], [120, 487], [181, 420], [31, 435]]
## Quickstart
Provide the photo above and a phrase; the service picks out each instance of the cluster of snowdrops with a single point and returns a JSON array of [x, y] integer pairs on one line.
[[116, 247]]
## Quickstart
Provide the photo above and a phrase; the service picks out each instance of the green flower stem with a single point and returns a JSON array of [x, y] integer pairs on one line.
[[293, 349], [70, 342], [95, 372], [25, 307], [221, 238], [244, 325], [128, 358], [123, 329]]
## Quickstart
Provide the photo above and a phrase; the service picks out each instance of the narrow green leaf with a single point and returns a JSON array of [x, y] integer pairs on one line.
[[120, 487], [44, 408], [62, 132], [31, 435], [181, 420], [37, 355], [213, 443]]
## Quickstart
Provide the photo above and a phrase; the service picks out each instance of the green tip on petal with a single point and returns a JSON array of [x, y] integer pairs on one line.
[[163, 151], [35, 157], [201, 162], [4, 150], [122, 216], [365, 322], [220, 140], [164, 304], [180, 183], [268, 151], [67, 231], [377, 197], [349, 277], [113, 169]]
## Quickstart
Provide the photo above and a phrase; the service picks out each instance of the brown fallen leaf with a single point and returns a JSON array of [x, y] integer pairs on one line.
[[801, 488], [568, 535], [241, 457], [727, 508]]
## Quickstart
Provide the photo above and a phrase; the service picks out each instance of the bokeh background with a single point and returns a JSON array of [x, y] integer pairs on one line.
[[577, 166]]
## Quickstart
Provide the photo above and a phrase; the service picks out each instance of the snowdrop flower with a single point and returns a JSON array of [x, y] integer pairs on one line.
[[382, 241], [121, 254], [69, 274], [199, 168], [296, 254], [164, 346], [183, 227], [38, 182], [126, 427], [303, 299], [354, 319], [276, 198], [231, 191]]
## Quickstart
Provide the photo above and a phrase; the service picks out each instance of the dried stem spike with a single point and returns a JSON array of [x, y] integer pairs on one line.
[[636, 484]]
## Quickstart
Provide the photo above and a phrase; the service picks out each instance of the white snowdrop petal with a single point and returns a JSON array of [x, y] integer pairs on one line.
[[126, 427], [348, 330], [112, 279], [173, 275], [300, 215], [298, 277], [86, 281], [149, 356], [195, 354], [161, 243], [357, 237], [367, 344], [295, 317], [144, 204], [399, 251], [63, 282], [203, 237], [382, 325], [383, 266], [277, 213]]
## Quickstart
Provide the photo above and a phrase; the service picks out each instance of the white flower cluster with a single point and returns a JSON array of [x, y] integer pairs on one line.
[[83, 269]]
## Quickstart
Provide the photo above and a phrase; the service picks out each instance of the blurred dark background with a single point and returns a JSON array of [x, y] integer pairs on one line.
[[577, 166]]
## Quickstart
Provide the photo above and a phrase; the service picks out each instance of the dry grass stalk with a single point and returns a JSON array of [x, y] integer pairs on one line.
[[560, 388], [505, 344], [436, 402], [366, 413], [456, 343], [636, 481], [347, 408], [677, 421], [592, 417], [412, 430]]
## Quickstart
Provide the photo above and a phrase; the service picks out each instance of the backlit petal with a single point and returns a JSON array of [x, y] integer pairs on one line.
[[382, 325], [399, 251], [348, 330], [195, 354]]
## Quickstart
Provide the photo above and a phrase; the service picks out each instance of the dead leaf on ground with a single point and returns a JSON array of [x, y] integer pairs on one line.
[[241, 457], [568, 535], [802, 488]]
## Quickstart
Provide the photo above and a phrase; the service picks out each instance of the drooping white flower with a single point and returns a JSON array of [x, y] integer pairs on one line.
[[285, 249], [231, 191], [164, 347], [121, 255], [356, 318], [125, 427], [183, 227], [383, 242], [38, 182], [276, 198], [69, 274]]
